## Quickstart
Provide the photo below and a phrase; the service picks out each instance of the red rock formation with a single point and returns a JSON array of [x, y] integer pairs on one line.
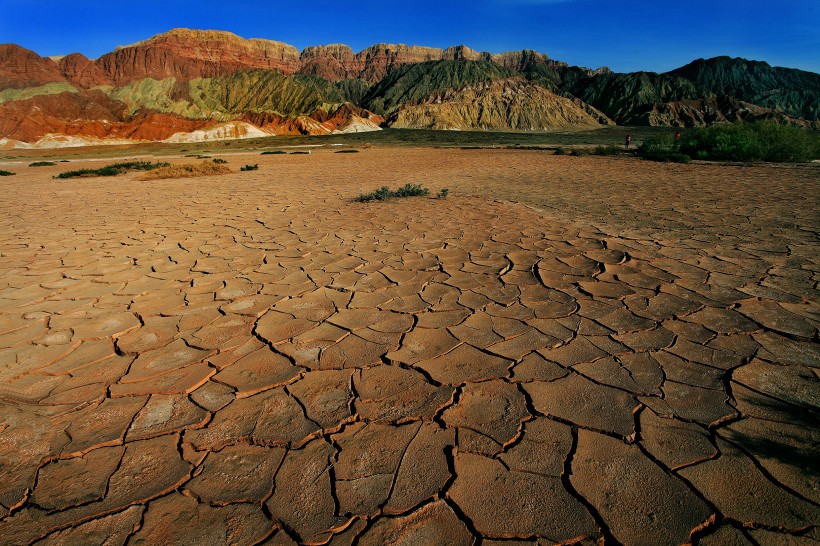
[[21, 68], [82, 72], [332, 62], [380, 59], [186, 54], [28, 120]]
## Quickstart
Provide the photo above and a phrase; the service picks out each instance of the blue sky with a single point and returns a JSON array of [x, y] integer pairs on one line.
[[625, 35]]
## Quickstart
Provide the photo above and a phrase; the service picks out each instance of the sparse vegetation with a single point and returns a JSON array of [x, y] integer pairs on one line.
[[187, 170], [442, 194], [220, 161], [662, 148], [759, 141], [42, 164], [346, 151], [300, 153], [607, 150], [198, 156], [576, 152], [408, 190], [273, 152], [560, 151], [7, 173], [253, 167], [113, 169]]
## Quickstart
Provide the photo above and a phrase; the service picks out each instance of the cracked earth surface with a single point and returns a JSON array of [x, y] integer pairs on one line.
[[566, 350]]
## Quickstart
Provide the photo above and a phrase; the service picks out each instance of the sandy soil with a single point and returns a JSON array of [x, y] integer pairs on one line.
[[565, 349]]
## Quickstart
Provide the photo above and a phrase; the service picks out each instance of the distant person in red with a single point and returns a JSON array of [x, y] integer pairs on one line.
[[628, 140], [677, 136]]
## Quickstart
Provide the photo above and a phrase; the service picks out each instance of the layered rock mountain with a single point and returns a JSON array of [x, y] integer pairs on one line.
[[212, 84]]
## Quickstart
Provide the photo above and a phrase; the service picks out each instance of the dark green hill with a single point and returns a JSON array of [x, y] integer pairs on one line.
[[418, 81], [627, 97], [270, 91], [795, 92]]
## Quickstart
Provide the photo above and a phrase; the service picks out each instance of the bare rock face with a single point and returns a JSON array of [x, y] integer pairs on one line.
[[497, 105], [187, 54], [332, 62], [82, 72], [382, 58], [20, 68]]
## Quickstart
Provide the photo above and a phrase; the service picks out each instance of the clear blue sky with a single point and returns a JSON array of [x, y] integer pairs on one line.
[[625, 35]]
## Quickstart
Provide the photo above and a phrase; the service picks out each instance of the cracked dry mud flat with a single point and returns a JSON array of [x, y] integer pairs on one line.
[[615, 351]]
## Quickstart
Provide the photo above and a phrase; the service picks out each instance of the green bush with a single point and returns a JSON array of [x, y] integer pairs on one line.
[[346, 151], [758, 141], [7, 173], [408, 190], [662, 148], [113, 169], [42, 164], [249, 168], [607, 150], [560, 151], [576, 153], [442, 194], [220, 161], [273, 152]]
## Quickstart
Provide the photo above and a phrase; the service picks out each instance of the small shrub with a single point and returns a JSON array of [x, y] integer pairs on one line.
[[249, 168], [758, 141], [377, 195], [300, 153], [607, 150], [187, 170], [560, 151], [220, 161], [7, 173], [273, 152], [408, 190], [662, 148], [113, 169], [42, 164], [576, 153], [411, 190], [346, 152], [442, 194]]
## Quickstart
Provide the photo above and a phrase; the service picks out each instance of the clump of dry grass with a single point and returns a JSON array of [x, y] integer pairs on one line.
[[187, 170]]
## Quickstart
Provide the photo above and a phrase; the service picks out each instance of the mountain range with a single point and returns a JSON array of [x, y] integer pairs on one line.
[[192, 85]]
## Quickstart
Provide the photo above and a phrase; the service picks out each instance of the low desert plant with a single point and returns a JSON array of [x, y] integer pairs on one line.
[[442, 194], [560, 151], [408, 190], [187, 170], [576, 153], [220, 161], [662, 148], [300, 153], [113, 169], [758, 141], [7, 173], [606, 150], [253, 167], [346, 152], [273, 152], [42, 164]]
